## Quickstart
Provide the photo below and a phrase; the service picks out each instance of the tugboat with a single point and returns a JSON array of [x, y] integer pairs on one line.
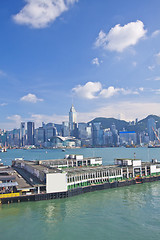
[[138, 179]]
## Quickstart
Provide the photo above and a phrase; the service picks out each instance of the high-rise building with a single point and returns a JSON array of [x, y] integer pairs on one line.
[[30, 133], [114, 134], [108, 137], [89, 130], [22, 134], [65, 129], [50, 131], [151, 124], [82, 130], [72, 121], [97, 134], [128, 137], [40, 136]]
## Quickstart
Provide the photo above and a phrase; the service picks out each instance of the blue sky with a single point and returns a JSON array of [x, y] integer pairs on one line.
[[104, 56]]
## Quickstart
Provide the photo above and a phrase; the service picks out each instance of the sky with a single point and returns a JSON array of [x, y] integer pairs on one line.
[[103, 56]]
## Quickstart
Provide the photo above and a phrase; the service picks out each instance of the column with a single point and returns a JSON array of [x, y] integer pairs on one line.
[[127, 173], [146, 170], [122, 172], [140, 171], [133, 173]]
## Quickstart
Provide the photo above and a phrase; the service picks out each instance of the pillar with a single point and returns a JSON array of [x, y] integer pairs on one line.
[[141, 172], [127, 173], [146, 170], [122, 172], [133, 173]]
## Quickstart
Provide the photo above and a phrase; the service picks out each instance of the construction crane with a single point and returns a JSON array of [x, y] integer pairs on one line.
[[156, 134]]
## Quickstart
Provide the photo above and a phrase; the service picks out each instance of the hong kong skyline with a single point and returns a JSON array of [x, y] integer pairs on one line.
[[104, 57]]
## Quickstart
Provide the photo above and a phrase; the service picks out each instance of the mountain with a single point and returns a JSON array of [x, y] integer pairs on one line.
[[121, 124], [107, 122]]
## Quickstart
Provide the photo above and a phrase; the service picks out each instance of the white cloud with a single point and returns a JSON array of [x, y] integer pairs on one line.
[[141, 89], [89, 90], [158, 58], [31, 98], [121, 37], [151, 68], [39, 13], [3, 104], [39, 118], [16, 119], [92, 90], [155, 33], [157, 79], [111, 91], [134, 64], [95, 61]]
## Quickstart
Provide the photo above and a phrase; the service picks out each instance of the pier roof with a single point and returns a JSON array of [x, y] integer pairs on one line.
[[81, 170]]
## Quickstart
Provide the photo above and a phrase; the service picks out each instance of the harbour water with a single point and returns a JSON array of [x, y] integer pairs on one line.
[[123, 213]]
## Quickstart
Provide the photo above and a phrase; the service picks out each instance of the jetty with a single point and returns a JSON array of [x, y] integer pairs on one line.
[[73, 175]]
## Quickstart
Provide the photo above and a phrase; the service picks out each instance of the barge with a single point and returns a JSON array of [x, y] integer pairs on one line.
[[73, 175]]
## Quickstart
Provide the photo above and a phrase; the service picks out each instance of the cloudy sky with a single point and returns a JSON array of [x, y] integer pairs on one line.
[[104, 56]]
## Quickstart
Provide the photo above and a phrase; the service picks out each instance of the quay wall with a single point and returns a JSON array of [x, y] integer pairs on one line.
[[75, 191]]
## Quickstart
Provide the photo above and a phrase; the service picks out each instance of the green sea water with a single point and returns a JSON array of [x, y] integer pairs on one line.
[[124, 213]]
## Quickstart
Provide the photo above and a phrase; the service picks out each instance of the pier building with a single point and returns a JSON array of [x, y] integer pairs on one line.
[[73, 175], [51, 175], [74, 171]]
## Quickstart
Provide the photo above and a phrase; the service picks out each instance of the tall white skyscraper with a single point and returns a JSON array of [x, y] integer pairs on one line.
[[72, 120]]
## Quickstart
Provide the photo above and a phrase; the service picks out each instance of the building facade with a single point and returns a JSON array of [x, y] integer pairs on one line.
[[72, 121], [30, 133]]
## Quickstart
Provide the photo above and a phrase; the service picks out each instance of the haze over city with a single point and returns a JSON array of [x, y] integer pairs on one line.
[[102, 56]]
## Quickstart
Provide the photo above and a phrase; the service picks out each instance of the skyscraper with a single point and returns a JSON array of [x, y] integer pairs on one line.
[[97, 134], [30, 133], [65, 129], [22, 133], [72, 120]]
